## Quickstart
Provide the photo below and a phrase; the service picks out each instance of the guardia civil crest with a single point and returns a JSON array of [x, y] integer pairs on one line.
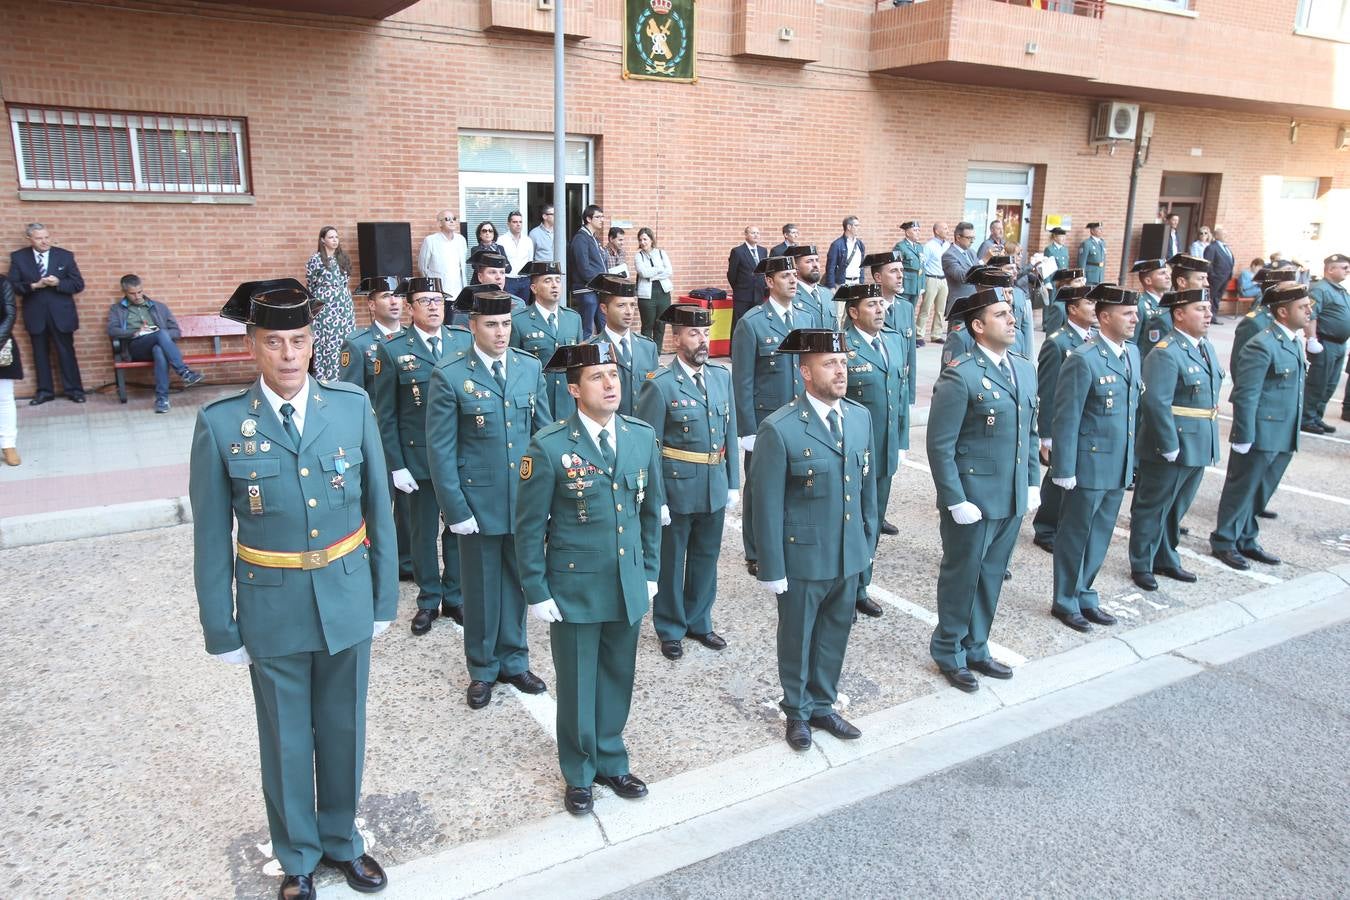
[[659, 40]]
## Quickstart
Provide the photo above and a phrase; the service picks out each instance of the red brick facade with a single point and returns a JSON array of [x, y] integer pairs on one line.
[[351, 120]]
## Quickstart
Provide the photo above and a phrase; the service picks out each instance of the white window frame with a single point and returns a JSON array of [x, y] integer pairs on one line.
[[1305, 12]]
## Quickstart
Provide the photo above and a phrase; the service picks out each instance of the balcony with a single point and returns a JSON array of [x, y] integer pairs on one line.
[[360, 9], [776, 29], [526, 15]]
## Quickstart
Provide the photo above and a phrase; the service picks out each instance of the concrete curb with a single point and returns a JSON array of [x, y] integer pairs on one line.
[[697, 814], [93, 521]]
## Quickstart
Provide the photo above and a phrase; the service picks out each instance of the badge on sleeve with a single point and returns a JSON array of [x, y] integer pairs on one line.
[[377, 366], [526, 468], [346, 359]]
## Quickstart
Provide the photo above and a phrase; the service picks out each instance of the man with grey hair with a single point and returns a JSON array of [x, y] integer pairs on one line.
[[48, 279], [445, 254]]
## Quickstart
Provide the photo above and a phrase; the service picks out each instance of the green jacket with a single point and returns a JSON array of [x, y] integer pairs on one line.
[[765, 380], [821, 306], [1096, 415], [884, 385], [530, 332], [982, 441], [646, 360], [1257, 320], [589, 541], [1267, 393], [911, 257], [1150, 309], [1331, 309], [398, 392], [685, 420], [1177, 375], [815, 504], [476, 435], [1053, 316], [1026, 329], [1059, 253], [1152, 332], [1054, 350], [246, 473], [357, 360], [1092, 259]]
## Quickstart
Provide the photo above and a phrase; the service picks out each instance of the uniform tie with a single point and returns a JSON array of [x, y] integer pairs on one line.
[[836, 431], [876, 345], [787, 319], [289, 424], [499, 374], [435, 347], [1006, 371], [623, 352], [606, 451], [698, 382], [1204, 354], [552, 321]]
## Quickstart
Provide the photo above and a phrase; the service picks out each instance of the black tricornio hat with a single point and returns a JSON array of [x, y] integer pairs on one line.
[[1173, 299], [1072, 293], [1183, 262], [801, 250], [1058, 230], [1268, 276], [613, 285], [1107, 294], [975, 302], [885, 258], [464, 300], [1065, 275], [376, 284], [277, 304], [1147, 265], [912, 223], [420, 285], [686, 314], [770, 265], [854, 293], [1000, 261], [577, 356], [1092, 225], [488, 259], [988, 276], [1284, 292], [494, 302], [539, 267], [813, 340]]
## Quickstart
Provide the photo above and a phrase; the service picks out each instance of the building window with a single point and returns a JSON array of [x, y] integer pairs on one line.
[[1298, 189], [92, 150], [1325, 18]]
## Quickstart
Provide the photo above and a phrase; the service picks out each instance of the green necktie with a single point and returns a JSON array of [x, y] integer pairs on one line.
[[606, 451], [289, 424], [498, 374], [698, 382], [1007, 371], [435, 348], [836, 431]]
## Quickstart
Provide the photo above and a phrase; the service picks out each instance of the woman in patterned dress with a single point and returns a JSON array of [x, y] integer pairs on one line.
[[328, 274]]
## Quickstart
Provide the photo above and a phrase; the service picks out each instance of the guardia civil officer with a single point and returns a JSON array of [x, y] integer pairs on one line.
[[296, 465], [1178, 437], [911, 259], [814, 490], [543, 326], [1093, 452], [888, 274], [689, 404], [1331, 315], [981, 440], [482, 408], [636, 356], [588, 526], [1052, 317], [1056, 249], [398, 391], [879, 378], [763, 380], [1258, 318], [1080, 322], [1267, 395], [1155, 320], [1092, 254], [815, 296], [959, 339], [1186, 273]]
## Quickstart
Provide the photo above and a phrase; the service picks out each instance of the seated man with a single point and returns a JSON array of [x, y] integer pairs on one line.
[[149, 330], [1248, 287]]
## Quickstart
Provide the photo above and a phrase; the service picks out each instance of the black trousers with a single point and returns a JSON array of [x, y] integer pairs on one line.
[[65, 355]]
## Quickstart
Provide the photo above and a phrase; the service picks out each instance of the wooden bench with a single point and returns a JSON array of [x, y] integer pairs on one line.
[[192, 328]]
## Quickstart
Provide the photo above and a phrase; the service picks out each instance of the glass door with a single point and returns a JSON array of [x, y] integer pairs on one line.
[[487, 197]]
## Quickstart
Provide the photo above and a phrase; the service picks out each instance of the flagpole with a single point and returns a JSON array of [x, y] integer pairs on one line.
[[559, 149]]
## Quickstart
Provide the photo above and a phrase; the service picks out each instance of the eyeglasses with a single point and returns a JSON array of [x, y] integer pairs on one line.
[[444, 219], [430, 301]]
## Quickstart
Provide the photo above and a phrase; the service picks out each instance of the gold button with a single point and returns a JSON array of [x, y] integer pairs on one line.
[[846, 478], [621, 551], [252, 474], [620, 529], [618, 507], [509, 445], [314, 532], [304, 473], [614, 486], [571, 565], [792, 540], [313, 502], [847, 497], [847, 516]]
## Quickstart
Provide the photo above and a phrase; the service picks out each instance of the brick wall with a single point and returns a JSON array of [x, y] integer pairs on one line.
[[351, 121]]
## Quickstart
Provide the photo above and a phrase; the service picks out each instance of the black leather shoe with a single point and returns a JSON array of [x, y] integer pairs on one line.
[[1312, 428], [1046, 544], [752, 566], [1182, 529], [1177, 574], [38, 401], [405, 574], [1098, 616], [453, 613], [629, 786], [1073, 620], [1261, 556], [712, 640], [479, 694], [577, 800], [1267, 514], [363, 874], [868, 607], [836, 725], [888, 528], [297, 887], [798, 734], [526, 682], [991, 668], [76, 398], [1326, 429], [1232, 559], [422, 620], [672, 649], [961, 679], [1144, 580]]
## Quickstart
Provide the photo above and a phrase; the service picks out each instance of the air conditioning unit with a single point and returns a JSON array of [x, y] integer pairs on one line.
[[1115, 121], [786, 34], [1343, 138], [543, 5]]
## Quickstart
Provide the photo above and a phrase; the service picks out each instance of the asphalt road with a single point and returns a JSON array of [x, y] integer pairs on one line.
[[1234, 783]]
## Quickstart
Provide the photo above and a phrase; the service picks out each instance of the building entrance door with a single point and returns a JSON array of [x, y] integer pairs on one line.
[[1003, 191], [1184, 194]]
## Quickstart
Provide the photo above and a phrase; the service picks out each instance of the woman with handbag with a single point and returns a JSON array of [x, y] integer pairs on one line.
[[11, 370], [653, 285]]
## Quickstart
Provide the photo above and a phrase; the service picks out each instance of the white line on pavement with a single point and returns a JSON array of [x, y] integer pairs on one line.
[[1215, 564], [1320, 437], [543, 709], [927, 616], [1302, 492]]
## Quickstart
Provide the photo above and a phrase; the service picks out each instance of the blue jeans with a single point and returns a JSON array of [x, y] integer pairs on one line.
[[519, 287], [160, 349], [588, 305]]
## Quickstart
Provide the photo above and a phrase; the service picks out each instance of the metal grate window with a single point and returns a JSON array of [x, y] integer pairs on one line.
[[89, 150]]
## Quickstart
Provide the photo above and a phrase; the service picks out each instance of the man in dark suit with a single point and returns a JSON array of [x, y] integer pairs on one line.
[[955, 263], [586, 259], [1220, 257], [843, 264], [747, 288], [791, 237], [47, 279]]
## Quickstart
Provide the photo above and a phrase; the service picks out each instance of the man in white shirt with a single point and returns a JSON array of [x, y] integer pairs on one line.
[[519, 251], [444, 254], [929, 320]]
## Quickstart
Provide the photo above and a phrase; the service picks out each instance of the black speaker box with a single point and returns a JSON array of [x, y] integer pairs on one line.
[[1151, 241], [385, 248]]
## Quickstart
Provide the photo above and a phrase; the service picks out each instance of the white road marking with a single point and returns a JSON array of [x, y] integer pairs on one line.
[[1215, 564], [1302, 492], [1320, 437], [543, 709], [929, 617]]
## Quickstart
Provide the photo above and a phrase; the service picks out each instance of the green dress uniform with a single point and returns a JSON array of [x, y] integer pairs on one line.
[[1179, 413], [477, 429], [814, 491], [531, 331], [1053, 316], [911, 257], [314, 568], [1257, 320], [1060, 254], [1054, 350], [693, 424], [1025, 345], [399, 393], [1093, 432], [1331, 309], [588, 537], [1155, 323], [880, 378], [982, 448], [1267, 397], [1092, 260], [819, 301], [636, 364]]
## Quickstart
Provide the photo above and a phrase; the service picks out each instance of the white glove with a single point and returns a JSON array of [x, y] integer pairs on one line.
[[965, 513], [403, 480], [1033, 497], [775, 587], [748, 444], [1046, 443], [733, 497], [651, 589], [1067, 484], [238, 657], [1314, 346], [547, 611], [665, 515], [1171, 455], [379, 629], [468, 526], [1242, 448]]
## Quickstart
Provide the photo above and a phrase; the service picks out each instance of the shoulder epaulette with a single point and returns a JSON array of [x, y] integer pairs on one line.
[[660, 372], [220, 400], [342, 386], [1251, 315], [634, 420], [1161, 345], [958, 360], [551, 428]]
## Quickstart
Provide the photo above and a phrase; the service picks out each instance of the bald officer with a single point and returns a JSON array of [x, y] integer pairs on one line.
[[544, 326], [636, 356], [296, 466]]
